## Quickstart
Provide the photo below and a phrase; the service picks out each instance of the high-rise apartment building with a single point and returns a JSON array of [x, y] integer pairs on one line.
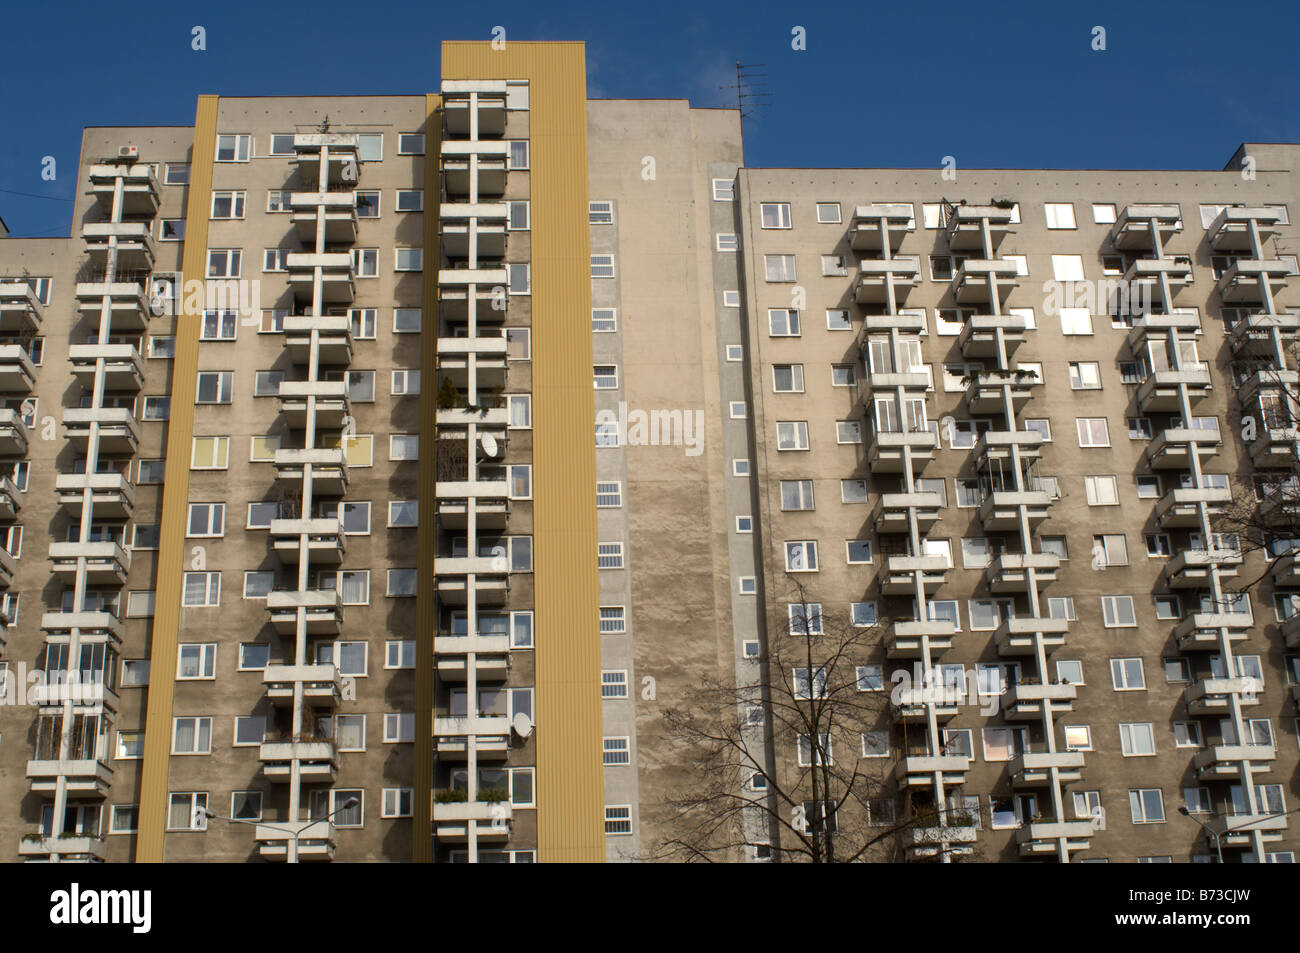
[[382, 468]]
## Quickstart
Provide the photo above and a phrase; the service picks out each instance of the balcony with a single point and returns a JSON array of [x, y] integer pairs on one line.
[[1175, 269], [1243, 282], [1035, 770], [491, 734], [1181, 508], [1230, 230], [1023, 702], [331, 403], [950, 841], [20, 309], [134, 242], [463, 163], [1001, 510], [1011, 572], [875, 226], [982, 281], [454, 304], [918, 771], [111, 493], [491, 656], [876, 275], [904, 571], [141, 193], [1275, 446], [333, 339], [1044, 837], [315, 840], [64, 848], [966, 226], [486, 355], [343, 167], [106, 562], [128, 303], [1234, 830], [908, 639], [1019, 636], [13, 433], [987, 393], [1173, 447], [1159, 327], [123, 366], [1190, 569], [338, 285], [990, 336], [1286, 571], [906, 324], [1263, 335], [322, 610], [1223, 762], [484, 223], [914, 704], [491, 821], [321, 685], [88, 777], [327, 465], [94, 626], [452, 584], [318, 762], [320, 541], [7, 568], [917, 380], [471, 106], [886, 448], [11, 499], [17, 372], [1003, 445], [1199, 631], [1136, 226], [483, 415], [1281, 383], [338, 210], [1210, 696], [481, 277], [894, 512], [118, 431], [1159, 393]]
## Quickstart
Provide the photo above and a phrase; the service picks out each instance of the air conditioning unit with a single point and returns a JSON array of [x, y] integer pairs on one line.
[[128, 152]]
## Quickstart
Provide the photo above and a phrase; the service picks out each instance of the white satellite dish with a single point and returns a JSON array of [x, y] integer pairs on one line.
[[489, 443], [522, 724]]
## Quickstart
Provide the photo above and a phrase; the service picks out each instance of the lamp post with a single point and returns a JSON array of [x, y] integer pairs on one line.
[[1210, 835], [293, 832], [1214, 836]]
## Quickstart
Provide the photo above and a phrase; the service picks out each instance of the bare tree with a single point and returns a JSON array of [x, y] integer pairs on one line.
[[824, 800]]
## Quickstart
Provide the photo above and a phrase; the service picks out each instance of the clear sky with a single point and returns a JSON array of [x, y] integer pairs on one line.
[[902, 84]]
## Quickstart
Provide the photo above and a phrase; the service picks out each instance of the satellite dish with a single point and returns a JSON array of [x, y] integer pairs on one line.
[[522, 724], [489, 443]]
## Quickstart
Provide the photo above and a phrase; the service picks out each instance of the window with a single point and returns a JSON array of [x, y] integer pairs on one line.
[[796, 494], [1067, 267], [792, 435], [370, 146], [1069, 671], [206, 519], [606, 376], [365, 262], [124, 819], [609, 555], [518, 154], [217, 326], [805, 618], [130, 745], [1041, 425], [408, 259], [609, 495], [410, 144], [1148, 487], [156, 408], [1076, 321], [782, 322], [405, 383], [1085, 375], [187, 811], [842, 375], [1187, 734], [267, 383], [1109, 549], [232, 148], [787, 378], [1147, 806], [724, 190], [1056, 546], [202, 590], [774, 214], [600, 212], [215, 387], [1021, 263], [824, 753], [1126, 674], [261, 514], [618, 818], [1139, 428], [857, 551], [1101, 490], [617, 751], [875, 744], [162, 346], [1117, 612], [403, 446], [399, 727], [412, 200], [853, 491], [833, 266], [731, 299], [254, 656], [1168, 607], [848, 431], [613, 620], [740, 467], [401, 582], [778, 268], [1092, 431], [613, 685], [140, 603], [869, 678], [604, 320], [263, 449], [228, 205], [354, 586], [518, 278], [209, 453], [828, 213], [278, 200], [224, 262], [1078, 737], [520, 411], [726, 241], [1103, 214], [191, 736], [402, 513], [176, 173], [863, 614], [1136, 739], [249, 730], [1159, 546], [1059, 214], [801, 555]]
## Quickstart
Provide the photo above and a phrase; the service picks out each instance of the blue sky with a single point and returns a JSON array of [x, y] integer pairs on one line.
[[901, 84]]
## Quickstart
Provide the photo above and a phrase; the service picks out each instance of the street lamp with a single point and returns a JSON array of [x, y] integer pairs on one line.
[[292, 832], [1214, 836], [1210, 835]]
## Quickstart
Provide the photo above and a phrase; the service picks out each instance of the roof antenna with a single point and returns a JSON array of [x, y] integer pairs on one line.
[[750, 92], [325, 124]]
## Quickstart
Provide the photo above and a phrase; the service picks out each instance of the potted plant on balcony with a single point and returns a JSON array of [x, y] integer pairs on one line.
[[451, 796], [493, 795], [448, 396], [1002, 203]]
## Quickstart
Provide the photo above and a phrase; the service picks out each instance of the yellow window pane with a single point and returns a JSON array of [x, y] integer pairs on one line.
[[211, 453], [264, 449], [359, 451]]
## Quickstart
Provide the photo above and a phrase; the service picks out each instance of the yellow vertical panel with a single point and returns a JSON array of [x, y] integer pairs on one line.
[[426, 609], [570, 781], [171, 548]]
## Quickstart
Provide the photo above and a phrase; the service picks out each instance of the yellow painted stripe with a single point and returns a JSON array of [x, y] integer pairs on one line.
[[570, 782], [426, 608], [171, 554]]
